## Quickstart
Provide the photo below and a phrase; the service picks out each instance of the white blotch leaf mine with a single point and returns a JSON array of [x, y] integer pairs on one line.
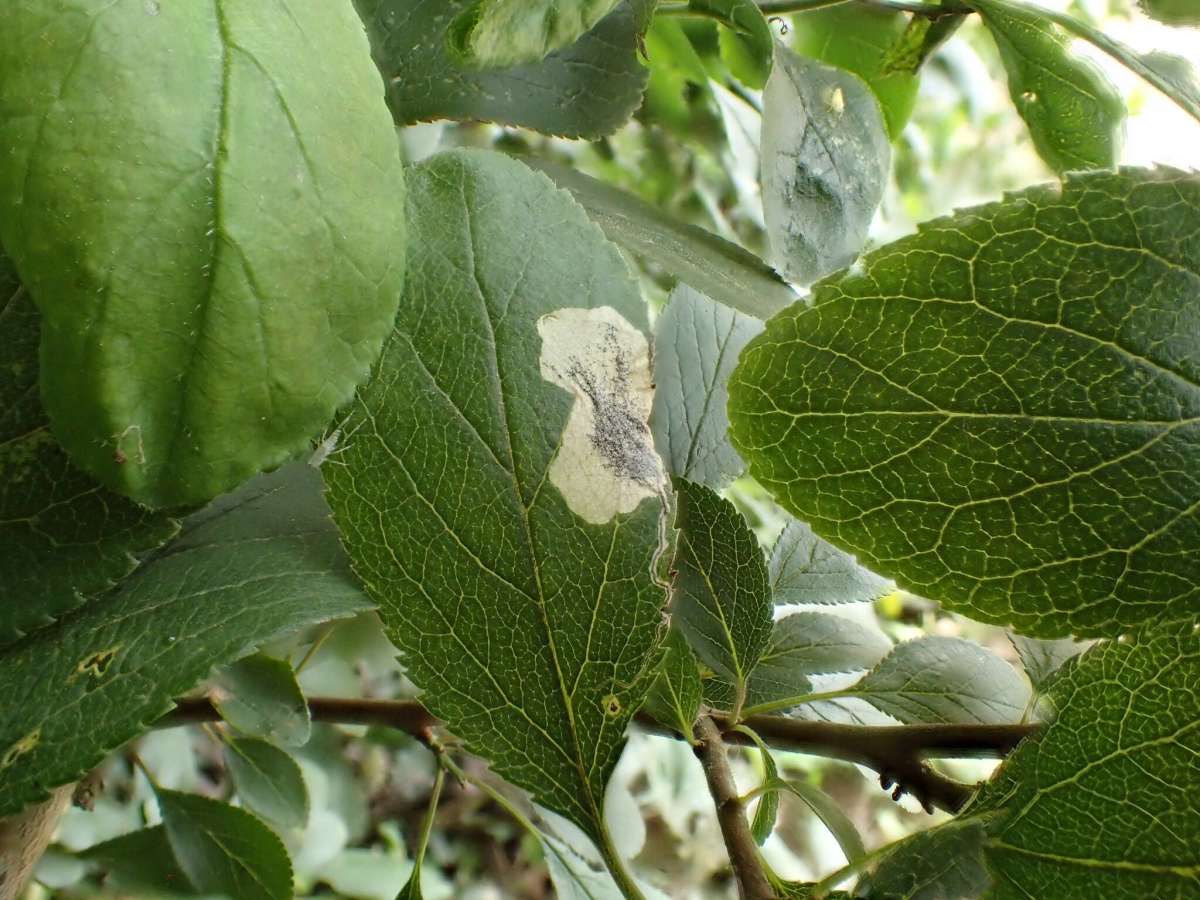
[[606, 464]]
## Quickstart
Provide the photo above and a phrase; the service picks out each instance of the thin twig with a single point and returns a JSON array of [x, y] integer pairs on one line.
[[896, 752], [752, 880]]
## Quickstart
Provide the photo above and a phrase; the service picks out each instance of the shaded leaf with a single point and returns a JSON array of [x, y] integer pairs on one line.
[[801, 645], [65, 538], [938, 864], [586, 90], [767, 810], [710, 264], [254, 565], [141, 860], [223, 849], [825, 162], [811, 643], [1102, 803], [830, 814], [941, 679], [674, 700], [504, 33], [258, 695], [719, 596], [218, 271], [696, 346], [1073, 112], [1022, 400], [805, 570], [866, 42], [576, 868], [1042, 658], [268, 781], [509, 411]]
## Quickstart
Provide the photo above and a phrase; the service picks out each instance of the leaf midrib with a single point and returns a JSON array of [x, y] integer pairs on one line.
[[540, 600]]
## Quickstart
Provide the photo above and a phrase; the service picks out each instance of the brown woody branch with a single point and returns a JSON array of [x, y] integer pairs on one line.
[[731, 813], [896, 752]]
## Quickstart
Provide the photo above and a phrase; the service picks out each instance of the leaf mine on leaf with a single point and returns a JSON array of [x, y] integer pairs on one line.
[[606, 463], [527, 607]]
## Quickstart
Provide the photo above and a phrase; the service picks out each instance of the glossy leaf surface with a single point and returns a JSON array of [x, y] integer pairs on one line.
[[213, 234]]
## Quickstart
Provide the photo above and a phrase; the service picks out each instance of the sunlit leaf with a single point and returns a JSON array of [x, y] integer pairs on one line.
[[1073, 112], [216, 260]]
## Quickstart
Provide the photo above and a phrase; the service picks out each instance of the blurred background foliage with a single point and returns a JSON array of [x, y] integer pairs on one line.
[[692, 152]]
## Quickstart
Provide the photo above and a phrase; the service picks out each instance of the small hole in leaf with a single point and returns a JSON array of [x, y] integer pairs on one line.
[[612, 706]]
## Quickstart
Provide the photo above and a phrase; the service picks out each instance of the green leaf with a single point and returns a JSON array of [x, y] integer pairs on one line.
[[1170, 74], [747, 45], [696, 346], [830, 814], [1173, 12], [921, 38], [586, 90], [142, 861], [805, 570], [216, 263], [1020, 391], [65, 538], [576, 869], [259, 696], [801, 645], [225, 850], [767, 810], [866, 42], [719, 597], [943, 862], [721, 270], [501, 497], [503, 33], [812, 643], [1041, 659], [268, 781], [643, 14], [1102, 803], [944, 680], [254, 565], [674, 700], [825, 163], [1073, 112]]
